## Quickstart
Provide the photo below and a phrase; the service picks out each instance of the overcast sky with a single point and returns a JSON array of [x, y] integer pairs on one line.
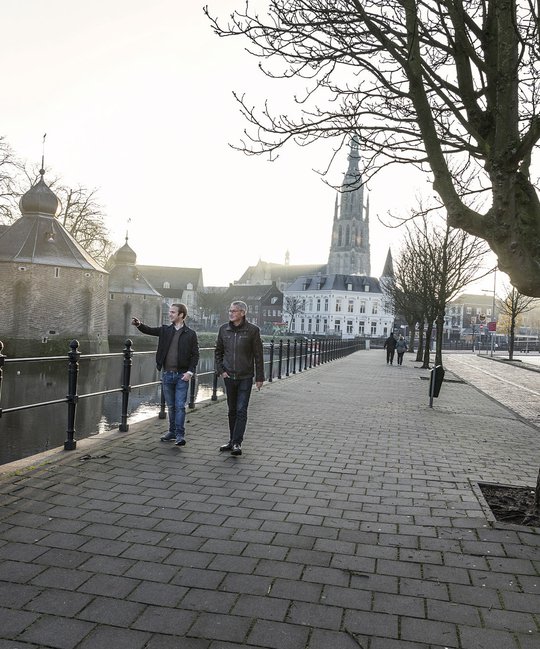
[[136, 99]]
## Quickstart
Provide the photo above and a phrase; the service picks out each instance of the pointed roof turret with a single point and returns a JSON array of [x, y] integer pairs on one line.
[[388, 270]]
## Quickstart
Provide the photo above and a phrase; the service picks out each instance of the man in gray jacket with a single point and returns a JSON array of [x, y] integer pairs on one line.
[[238, 357]]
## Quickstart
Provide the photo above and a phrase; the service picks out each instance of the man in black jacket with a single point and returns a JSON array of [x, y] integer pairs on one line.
[[238, 351], [177, 356]]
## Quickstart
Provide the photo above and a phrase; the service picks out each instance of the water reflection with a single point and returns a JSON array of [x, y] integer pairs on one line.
[[28, 432]]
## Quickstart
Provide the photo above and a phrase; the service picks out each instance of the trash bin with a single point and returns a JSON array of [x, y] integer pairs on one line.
[[435, 381]]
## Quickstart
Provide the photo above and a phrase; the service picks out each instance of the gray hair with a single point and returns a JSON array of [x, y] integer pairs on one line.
[[241, 305]]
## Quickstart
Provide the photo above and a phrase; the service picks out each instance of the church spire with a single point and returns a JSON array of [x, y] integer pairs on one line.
[[349, 250]]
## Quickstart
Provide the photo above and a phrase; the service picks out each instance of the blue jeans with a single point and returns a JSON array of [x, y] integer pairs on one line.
[[238, 393], [175, 392]]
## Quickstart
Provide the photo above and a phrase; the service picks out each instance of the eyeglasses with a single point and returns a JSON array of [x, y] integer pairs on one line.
[[234, 310]]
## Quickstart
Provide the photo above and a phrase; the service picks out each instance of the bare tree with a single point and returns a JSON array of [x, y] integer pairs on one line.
[[293, 306], [84, 218], [512, 306], [448, 86], [10, 169], [436, 263]]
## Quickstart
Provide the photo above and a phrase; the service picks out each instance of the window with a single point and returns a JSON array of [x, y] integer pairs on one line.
[[302, 325], [488, 311], [469, 310], [361, 327], [318, 304], [57, 272], [363, 306], [338, 304], [309, 325], [337, 325], [310, 304], [326, 304], [166, 285], [274, 300], [349, 326], [478, 310], [366, 288], [375, 308], [373, 328], [350, 306], [111, 296], [317, 325], [325, 325]]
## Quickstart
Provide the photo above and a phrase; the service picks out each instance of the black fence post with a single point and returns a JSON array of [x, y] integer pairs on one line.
[[2, 359], [73, 371], [280, 358], [288, 357], [162, 412], [271, 363], [192, 392], [126, 385], [294, 358], [300, 355], [214, 387]]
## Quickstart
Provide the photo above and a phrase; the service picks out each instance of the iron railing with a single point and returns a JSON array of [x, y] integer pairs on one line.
[[282, 360]]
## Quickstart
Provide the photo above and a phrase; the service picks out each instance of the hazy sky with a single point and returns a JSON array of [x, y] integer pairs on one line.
[[136, 99]]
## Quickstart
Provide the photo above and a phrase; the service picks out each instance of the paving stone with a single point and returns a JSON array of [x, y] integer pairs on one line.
[[58, 632], [477, 638], [157, 594], [106, 610], [13, 622], [59, 602], [277, 635], [107, 637], [16, 595]]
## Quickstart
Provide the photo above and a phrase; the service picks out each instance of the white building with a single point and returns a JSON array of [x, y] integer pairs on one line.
[[342, 305]]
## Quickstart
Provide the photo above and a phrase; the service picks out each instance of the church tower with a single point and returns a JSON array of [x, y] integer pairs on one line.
[[349, 250]]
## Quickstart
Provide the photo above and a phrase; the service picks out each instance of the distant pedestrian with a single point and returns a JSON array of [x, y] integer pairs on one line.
[[176, 357], [238, 357], [401, 348], [390, 346]]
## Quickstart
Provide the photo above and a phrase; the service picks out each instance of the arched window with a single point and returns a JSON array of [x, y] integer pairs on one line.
[[166, 285]]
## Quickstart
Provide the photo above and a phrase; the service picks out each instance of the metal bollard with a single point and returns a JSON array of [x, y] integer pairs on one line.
[[294, 358], [271, 364], [162, 413], [300, 355], [280, 359], [288, 357], [2, 359], [73, 372], [214, 387], [126, 385]]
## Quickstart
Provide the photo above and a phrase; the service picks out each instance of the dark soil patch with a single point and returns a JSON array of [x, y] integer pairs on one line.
[[511, 504]]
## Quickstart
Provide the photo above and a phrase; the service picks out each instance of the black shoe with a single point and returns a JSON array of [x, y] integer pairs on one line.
[[168, 437], [182, 442], [236, 449], [226, 447]]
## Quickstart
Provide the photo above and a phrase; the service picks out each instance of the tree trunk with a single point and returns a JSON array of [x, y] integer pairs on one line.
[[420, 350], [412, 329], [427, 348], [439, 332], [511, 340]]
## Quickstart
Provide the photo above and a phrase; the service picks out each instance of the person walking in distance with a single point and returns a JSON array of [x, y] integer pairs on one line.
[[176, 357], [390, 346], [238, 358], [401, 348]]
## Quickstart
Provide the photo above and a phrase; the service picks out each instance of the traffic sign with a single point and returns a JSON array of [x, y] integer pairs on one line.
[[492, 326]]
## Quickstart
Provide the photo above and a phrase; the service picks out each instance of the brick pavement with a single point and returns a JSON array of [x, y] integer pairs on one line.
[[350, 521]]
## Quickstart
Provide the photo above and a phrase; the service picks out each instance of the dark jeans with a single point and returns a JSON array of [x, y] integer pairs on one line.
[[175, 391], [390, 355], [238, 393], [400, 358]]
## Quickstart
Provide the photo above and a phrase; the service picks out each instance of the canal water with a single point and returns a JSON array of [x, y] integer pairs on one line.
[[27, 432]]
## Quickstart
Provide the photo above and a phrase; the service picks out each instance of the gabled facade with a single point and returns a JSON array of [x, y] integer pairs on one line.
[[175, 285], [342, 305]]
